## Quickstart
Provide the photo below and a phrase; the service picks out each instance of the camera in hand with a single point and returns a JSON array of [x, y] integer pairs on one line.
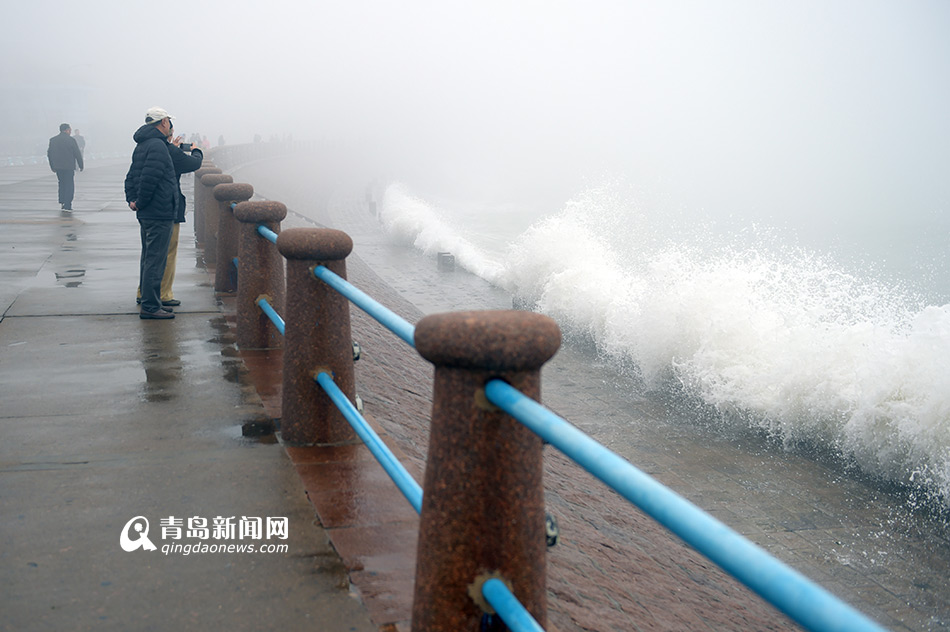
[[185, 146]]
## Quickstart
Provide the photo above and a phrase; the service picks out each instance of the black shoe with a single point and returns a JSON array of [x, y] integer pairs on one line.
[[172, 302], [159, 315]]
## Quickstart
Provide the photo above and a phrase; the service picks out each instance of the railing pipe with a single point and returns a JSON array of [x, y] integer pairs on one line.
[[317, 337], [483, 505], [400, 476], [207, 167], [261, 273], [386, 317], [267, 234], [227, 249], [209, 181], [789, 591], [272, 314], [508, 607]]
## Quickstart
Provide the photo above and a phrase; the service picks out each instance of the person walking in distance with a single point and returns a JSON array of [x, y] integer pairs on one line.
[[81, 142], [63, 155], [152, 192]]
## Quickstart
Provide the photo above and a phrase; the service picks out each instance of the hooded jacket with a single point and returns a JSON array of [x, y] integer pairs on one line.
[[151, 182]]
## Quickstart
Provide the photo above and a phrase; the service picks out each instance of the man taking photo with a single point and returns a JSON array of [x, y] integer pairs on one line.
[[151, 189]]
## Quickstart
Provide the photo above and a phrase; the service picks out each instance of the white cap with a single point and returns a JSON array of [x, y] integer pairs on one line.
[[156, 115]]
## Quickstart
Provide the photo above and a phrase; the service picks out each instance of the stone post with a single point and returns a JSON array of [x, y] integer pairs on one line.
[[208, 182], [483, 504], [226, 194], [201, 200], [316, 337], [261, 274]]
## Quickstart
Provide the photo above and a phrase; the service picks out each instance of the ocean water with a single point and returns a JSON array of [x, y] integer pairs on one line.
[[835, 341]]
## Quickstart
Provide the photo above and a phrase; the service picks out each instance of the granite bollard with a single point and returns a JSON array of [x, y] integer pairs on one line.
[[316, 337], [483, 505], [200, 200], [227, 194], [261, 274], [208, 182]]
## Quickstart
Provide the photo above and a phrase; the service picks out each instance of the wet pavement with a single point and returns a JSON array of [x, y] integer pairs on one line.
[[106, 417]]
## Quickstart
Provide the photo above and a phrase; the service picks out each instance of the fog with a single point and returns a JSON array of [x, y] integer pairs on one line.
[[783, 111]]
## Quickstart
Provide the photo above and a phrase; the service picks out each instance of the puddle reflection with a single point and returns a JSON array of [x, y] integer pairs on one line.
[[161, 359], [70, 278]]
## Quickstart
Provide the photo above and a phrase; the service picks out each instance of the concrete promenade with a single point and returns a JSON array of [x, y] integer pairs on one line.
[[106, 417]]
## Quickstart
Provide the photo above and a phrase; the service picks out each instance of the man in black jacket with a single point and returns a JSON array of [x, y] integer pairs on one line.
[[183, 163], [151, 190], [63, 155]]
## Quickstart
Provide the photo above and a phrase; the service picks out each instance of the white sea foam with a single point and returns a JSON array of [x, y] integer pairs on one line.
[[782, 339], [411, 220]]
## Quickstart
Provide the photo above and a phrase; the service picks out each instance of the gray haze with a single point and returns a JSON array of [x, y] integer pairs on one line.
[[787, 110]]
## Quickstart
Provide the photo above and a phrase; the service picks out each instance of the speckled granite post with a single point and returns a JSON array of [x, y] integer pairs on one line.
[[261, 274], [483, 506], [209, 182], [317, 336], [226, 194], [201, 200]]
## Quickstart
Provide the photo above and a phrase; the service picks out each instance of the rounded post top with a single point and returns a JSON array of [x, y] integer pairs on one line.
[[214, 179], [315, 244], [203, 171], [265, 211], [488, 340], [232, 192]]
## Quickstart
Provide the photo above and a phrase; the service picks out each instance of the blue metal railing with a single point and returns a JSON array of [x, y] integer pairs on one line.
[[386, 317], [401, 477], [785, 588], [267, 233], [275, 318], [802, 600], [515, 616]]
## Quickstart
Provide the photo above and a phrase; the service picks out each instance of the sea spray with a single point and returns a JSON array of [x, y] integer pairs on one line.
[[415, 222], [760, 332]]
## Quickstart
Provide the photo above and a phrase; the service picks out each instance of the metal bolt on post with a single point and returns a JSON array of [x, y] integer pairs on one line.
[[483, 504]]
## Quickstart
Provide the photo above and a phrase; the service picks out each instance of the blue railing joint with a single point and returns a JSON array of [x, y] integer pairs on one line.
[[267, 233], [263, 301]]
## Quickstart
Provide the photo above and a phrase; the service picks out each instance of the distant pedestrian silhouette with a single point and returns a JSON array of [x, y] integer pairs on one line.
[[63, 155], [81, 142]]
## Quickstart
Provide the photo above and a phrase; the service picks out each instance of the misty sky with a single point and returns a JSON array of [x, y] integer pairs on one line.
[[787, 108]]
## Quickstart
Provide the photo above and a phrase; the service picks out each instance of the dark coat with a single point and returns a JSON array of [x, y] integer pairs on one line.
[[63, 153], [151, 182], [183, 164]]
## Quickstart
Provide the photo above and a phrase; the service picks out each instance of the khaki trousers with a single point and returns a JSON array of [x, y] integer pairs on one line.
[[169, 277]]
